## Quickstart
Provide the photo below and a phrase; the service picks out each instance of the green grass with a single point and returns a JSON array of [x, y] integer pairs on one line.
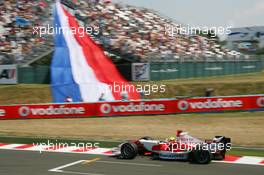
[[246, 152], [29, 140], [242, 84], [246, 77]]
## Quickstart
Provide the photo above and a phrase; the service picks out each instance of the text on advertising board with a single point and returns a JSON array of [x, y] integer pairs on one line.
[[2, 113]]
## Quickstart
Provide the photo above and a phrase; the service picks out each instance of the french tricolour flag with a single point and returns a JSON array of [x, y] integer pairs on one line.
[[80, 69]]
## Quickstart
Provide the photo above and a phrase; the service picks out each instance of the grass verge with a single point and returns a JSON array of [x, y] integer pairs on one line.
[[242, 84], [31, 140], [237, 126], [246, 152]]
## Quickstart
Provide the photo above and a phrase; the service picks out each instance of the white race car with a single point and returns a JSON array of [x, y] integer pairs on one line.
[[183, 147]]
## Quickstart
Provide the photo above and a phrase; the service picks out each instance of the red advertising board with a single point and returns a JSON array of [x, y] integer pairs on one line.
[[47, 111], [148, 107]]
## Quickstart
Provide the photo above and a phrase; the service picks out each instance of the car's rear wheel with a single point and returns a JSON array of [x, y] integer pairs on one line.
[[129, 150], [201, 156]]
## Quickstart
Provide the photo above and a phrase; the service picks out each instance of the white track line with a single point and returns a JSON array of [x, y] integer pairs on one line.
[[58, 169], [76, 172]]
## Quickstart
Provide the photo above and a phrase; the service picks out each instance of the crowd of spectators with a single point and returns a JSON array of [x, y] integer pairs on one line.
[[141, 34], [127, 32], [17, 18]]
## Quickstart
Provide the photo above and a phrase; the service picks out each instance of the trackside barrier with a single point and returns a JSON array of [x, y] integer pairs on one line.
[[188, 105]]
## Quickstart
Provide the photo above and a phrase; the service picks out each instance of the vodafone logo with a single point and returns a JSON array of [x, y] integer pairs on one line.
[[131, 107], [183, 105], [212, 104], [24, 111], [260, 102], [105, 108], [2, 112]]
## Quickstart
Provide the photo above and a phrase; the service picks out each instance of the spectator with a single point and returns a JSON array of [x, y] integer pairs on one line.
[[137, 34], [17, 19], [68, 99], [140, 34], [101, 98], [124, 95]]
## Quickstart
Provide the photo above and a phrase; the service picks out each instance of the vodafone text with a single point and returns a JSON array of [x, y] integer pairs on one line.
[[50, 110], [2, 112], [131, 107], [210, 104]]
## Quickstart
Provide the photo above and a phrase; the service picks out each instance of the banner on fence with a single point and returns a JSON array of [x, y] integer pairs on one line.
[[8, 74], [188, 105], [140, 71]]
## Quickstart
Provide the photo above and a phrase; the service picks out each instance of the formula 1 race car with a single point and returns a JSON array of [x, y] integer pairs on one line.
[[183, 147]]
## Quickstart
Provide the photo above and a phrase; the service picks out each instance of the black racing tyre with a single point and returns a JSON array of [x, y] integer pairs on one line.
[[129, 150], [201, 156], [146, 138]]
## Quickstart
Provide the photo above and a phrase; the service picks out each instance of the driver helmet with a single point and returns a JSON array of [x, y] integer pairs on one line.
[[172, 139]]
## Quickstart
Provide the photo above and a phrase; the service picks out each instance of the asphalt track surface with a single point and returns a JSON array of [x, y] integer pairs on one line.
[[33, 163]]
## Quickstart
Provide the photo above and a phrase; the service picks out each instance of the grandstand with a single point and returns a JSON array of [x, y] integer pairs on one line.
[[17, 18], [127, 33], [138, 34]]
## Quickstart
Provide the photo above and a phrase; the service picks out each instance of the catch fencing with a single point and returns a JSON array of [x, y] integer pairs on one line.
[[158, 71]]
